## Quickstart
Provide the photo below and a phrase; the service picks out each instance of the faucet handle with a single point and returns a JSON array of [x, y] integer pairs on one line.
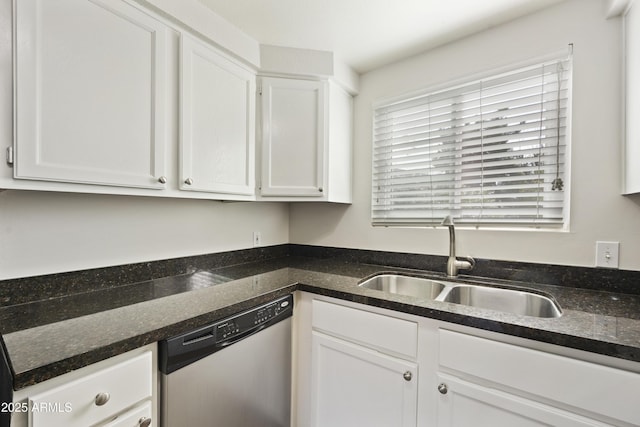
[[463, 263], [467, 263]]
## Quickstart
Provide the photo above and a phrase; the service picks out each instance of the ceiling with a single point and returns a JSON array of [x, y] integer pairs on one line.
[[367, 34]]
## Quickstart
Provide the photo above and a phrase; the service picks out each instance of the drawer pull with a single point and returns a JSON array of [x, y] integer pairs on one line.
[[407, 376], [144, 422], [442, 388], [102, 398]]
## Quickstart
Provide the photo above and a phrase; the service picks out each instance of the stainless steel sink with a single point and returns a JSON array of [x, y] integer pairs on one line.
[[507, 300], [418, 287], [516, 301]]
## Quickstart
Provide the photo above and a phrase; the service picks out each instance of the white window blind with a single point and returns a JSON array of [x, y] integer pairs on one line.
[[489, 152]]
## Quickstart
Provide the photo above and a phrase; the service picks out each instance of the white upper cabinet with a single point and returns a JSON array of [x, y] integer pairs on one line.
[[113, 98], [217, 116], [305, 140], [90, 93], [294, 125], [632, 98]]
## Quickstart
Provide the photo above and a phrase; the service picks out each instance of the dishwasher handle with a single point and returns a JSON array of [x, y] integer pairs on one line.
[[176, 352]]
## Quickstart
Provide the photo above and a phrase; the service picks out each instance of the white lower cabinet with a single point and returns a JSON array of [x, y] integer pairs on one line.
[[354, 367], [480, 377], [140, 416], [360, 365], [465, 404], [353, 385], [116, 392]]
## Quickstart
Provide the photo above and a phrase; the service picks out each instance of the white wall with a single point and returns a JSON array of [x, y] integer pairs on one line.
[[44, 233], [48, 232], [598, 211]]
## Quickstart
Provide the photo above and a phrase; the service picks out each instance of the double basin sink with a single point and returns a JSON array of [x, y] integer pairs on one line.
[[516, 301]]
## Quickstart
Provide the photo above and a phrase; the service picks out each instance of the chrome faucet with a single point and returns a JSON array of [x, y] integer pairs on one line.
[[453, 263]]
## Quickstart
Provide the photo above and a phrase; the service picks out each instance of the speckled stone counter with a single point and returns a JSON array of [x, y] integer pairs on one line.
[[61, 332]]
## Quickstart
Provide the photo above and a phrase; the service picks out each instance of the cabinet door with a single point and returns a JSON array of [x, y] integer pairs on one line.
[[294, 128], [632, 98], [217, 132], [464, 404], [561, 381], [90, 93], [355, 386]]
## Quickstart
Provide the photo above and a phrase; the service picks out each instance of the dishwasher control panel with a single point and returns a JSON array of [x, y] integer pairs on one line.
[[184, 349], [251, 320]]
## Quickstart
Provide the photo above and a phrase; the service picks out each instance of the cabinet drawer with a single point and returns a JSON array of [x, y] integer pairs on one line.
[[133, 417], [395, 336], [588, 386], [74, 403]]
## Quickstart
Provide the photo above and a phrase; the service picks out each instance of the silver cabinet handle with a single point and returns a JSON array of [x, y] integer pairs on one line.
[[320, 190], [188, 181], [442, 388], [102, 398], [407, 376], [162, 180], [144, 422]]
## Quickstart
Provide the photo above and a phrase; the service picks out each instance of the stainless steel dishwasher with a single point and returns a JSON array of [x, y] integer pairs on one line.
[[233, 373]]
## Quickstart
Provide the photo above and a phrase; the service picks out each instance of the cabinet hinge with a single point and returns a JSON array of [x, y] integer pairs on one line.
[[10, 155]]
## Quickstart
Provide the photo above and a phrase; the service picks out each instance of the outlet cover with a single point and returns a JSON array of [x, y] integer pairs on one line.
[[257, 239], [607, 254]]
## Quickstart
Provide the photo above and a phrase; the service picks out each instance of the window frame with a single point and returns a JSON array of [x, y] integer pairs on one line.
[[468, 80]]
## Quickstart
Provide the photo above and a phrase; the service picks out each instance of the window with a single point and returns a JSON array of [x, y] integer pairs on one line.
[[491, 152]]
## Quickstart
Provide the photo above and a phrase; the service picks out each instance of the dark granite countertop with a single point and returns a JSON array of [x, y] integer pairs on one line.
[[60, 333]]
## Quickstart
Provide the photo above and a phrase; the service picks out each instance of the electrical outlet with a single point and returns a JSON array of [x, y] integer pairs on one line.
[[607, 254], [257, 239]]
